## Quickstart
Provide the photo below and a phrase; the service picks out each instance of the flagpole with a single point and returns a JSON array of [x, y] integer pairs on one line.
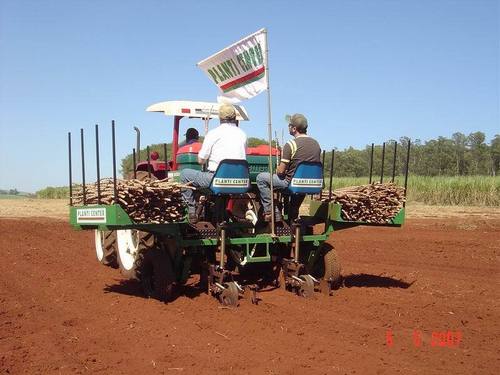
[[270, 136]]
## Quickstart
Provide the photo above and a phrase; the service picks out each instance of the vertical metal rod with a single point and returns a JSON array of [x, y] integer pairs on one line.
[[115, 192], [138, 140], [222, 247], [331, 176], [166, 159], [175, 140], [297, 243], [149, 163], [406, 169], [394, 159], [83, 168], [383, 159], [135, 162], [97, 164], [323, 163], [269, 134], [70, 171], [371, 164]]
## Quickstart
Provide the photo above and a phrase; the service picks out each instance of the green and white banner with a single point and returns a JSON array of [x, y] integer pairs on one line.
[[240, 69]]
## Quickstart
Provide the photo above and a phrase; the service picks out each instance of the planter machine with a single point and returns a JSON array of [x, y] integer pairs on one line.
[[233, 252]]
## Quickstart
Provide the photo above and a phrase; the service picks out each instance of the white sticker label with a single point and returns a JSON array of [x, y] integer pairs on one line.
[[231, 182], [307, 182], [91, 216]]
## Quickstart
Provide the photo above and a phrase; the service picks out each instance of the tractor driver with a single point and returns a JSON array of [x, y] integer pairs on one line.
[[192, 136], [301, 148], [227, 141]]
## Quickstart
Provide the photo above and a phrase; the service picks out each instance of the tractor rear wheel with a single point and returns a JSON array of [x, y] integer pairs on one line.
[[130, 244], [105, 247], [156, 273]]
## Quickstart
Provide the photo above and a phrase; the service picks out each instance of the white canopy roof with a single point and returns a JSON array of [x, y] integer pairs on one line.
[[189, 108]]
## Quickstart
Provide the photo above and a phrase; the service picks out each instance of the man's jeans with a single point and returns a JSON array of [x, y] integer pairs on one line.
[[197, 179], [264, 185]]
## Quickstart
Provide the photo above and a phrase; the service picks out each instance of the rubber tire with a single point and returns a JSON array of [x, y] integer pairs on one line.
[[108, 249], [328, 266], [146, 241], [156, 273]]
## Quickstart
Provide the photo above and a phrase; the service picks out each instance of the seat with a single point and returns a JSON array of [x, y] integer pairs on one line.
[[231, 178], [307, 179]]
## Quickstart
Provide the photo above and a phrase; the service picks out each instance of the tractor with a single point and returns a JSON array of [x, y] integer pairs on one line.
[[229, 250]]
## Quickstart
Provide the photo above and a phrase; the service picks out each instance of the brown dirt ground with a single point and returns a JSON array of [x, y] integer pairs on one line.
[[61, 312]]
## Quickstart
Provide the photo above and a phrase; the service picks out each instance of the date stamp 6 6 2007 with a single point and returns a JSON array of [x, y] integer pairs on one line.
[[450, 339]]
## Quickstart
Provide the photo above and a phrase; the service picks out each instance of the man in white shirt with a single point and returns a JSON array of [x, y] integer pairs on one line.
[[227, 141]]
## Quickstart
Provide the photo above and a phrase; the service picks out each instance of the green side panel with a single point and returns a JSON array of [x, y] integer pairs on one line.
[[98, 215], [399, 219], [322, 210]]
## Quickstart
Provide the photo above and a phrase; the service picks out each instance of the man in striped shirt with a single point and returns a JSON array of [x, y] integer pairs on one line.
[[301, 148]]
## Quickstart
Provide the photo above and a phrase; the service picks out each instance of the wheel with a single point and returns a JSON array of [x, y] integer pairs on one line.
[[306, 288], [131, 243], [105, 247], [328, 266], [156, 273], [229, 296], [332, 268]]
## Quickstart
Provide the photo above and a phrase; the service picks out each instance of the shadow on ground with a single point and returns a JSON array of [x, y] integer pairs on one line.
[[364, 280], [134, 288]]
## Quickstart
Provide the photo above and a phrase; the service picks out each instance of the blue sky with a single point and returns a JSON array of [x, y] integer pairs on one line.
[[361, 71]]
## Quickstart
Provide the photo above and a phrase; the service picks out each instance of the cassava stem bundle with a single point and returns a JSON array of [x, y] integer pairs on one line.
[[374, 203], [148, 201]]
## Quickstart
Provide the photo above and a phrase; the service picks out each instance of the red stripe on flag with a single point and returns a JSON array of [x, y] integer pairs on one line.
[[243, 79]]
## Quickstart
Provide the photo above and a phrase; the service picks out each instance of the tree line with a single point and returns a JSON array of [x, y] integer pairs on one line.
[[460, 155]]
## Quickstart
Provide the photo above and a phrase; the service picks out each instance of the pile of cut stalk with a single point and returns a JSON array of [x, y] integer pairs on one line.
[[373, 203], [148, 201]]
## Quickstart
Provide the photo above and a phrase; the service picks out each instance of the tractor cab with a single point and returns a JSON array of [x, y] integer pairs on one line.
[[180, 109], [186, 155]]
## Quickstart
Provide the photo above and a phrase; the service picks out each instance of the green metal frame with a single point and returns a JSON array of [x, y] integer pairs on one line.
[[113, 217]]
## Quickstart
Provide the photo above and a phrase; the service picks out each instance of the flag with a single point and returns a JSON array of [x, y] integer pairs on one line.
[[240, 69]]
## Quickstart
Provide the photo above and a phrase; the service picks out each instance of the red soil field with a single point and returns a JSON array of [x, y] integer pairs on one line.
[[420, 299]]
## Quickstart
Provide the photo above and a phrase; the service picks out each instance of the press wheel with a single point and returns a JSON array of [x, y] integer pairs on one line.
[[229, 296], [306, 288]]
